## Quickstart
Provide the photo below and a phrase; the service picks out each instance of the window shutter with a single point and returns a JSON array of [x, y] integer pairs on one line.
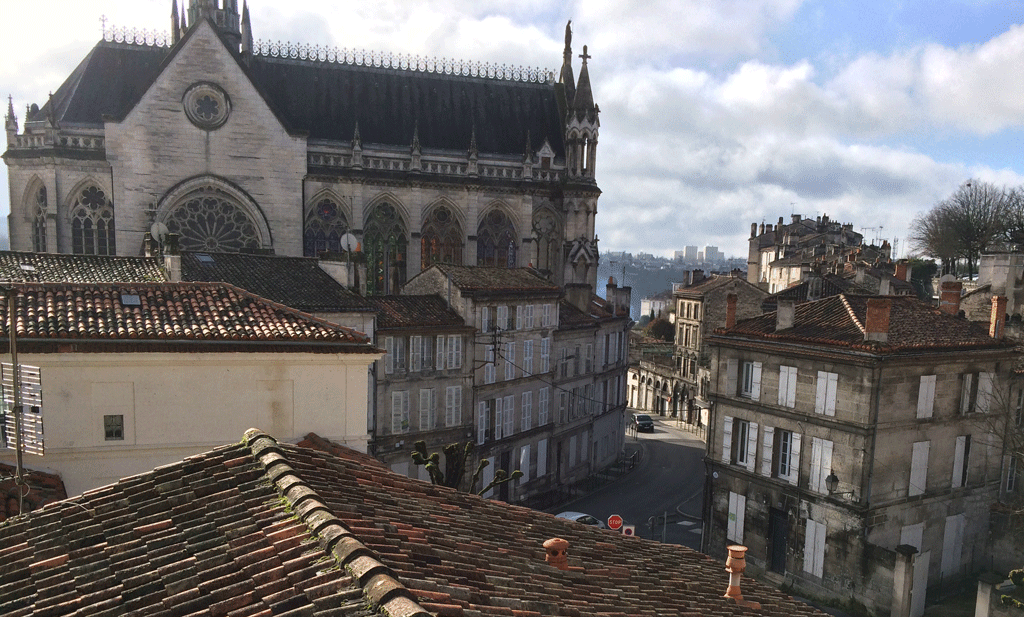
[[755, 386], [984, 392], [919, 468], [499, 425], [727, 441], [830, 398], [510, 405], [425, 409], [809, 547], [751, 445], [481, 422], [457, 406], [821, 391], [958, 461], [814, 482], [524, 463], [542, 458], [737, 508], [826, 464], [519, 320], [449, 405], [389, 355], [791, 388], [783, 384], [965, 393], [926, 396], [767, 446], [415, 353], [396, 412], [732, 367], [510, 360], [439, 353], [794, 461], [400, 353]]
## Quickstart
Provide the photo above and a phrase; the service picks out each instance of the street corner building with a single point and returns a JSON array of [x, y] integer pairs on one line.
[[857, 446], [235, 145], [260, 527]]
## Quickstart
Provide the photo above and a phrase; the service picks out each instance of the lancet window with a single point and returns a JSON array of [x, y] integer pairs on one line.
[[385, 244], [441, 241], [39, 221], [496, 241], [547, 236], [325, 226], [92, 223]]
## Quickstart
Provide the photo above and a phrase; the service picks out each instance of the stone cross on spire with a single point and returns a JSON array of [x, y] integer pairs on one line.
[[584, 55]]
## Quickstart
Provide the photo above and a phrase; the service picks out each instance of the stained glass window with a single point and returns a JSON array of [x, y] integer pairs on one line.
[[325, 226], [92, 223], [210, 220], [39, 222], [385, 244], [441, 242], [496, 241]]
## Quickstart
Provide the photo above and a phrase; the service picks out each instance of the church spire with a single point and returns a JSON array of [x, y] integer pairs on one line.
[[10, 120], [175, 27], [584, 99], [225, 20], [566, 78], [246, 30]]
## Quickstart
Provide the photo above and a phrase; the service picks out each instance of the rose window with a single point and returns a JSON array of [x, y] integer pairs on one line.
[[206, 105], [211, 221]]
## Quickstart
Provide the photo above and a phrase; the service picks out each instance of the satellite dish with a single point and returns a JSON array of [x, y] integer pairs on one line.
[[159, 231], [349, 242]]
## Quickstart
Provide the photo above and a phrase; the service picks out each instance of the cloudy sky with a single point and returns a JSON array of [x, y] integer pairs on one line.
[[714, 113]]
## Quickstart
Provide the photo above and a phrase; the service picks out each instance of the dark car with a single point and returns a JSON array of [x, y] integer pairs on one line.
[[643, 423]]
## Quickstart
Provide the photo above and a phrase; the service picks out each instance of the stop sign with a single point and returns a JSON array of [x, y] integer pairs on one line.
[[614, 521]]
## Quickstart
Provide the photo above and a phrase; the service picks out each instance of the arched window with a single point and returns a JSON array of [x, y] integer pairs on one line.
[[496, 241], [547, 236], [325, 225], [39, 221], [441, 242], [385, 244], [208, 219], [92, 223]]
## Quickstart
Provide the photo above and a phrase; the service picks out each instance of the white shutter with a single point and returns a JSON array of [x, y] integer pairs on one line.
[[952, 544], [794, 461], [787, 386], [791, 390], [502, 318], [425, 410], [965, 393], [826, 464], [751, 445], [526, 411], [510, 360], [457, 405], [814, 547], [727, 441], [415, 353], [737, 507], [732, 367], [449, 406], [814, 482], [820, 393], [389, 355], [510, 405], [755, 386], [830, 397], [396, 412], [481, 422], [958, 461], [783, 384], [519, 319], [984, 392], [926, 396], [542, 458], [499, 417], [485, 319], [919, 468], [524, 459], [767, 445], [439, 353]]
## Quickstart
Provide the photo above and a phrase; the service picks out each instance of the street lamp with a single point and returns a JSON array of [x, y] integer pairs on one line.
[[832, 483]]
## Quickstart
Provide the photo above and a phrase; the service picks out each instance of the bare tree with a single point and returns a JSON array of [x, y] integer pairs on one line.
[[1012, 228], [962, 225]]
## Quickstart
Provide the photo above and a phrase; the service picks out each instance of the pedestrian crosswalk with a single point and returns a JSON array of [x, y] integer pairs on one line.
[[695, 528]]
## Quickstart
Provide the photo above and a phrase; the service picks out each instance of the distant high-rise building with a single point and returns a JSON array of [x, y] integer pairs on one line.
[[690, 253], [711, 253]]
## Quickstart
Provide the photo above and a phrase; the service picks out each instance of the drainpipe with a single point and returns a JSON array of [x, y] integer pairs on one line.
[[875, 405]]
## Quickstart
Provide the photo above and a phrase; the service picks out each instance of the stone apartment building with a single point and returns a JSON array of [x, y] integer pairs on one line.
[[847, 427], [526, 415], [424, 381], [703, 305]]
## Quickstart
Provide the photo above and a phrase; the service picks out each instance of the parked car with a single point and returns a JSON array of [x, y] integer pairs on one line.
[[643, 423], [580, 517]]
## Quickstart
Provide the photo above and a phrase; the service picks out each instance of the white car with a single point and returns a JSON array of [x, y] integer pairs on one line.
[[580, 517]]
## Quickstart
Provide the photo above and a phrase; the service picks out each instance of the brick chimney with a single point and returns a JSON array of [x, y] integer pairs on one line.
[[785, 314], [730, 310], [949, 296], [903, 271], [876, 324], [997, 324]]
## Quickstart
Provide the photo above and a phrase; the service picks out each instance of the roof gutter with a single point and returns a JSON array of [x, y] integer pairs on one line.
[[362, 347]]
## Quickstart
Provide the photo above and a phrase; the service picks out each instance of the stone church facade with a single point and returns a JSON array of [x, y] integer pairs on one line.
[[237, 146]]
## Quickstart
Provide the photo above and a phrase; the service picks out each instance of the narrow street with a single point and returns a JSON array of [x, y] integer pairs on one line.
[[669, 479]]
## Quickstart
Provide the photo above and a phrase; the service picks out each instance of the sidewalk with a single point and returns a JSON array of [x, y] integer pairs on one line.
[[557, 501]]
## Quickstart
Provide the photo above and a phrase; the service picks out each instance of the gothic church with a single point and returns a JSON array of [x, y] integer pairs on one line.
[[297, 150]]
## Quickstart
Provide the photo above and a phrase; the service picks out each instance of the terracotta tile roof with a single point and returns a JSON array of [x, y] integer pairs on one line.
[[697, 290], [571, 317], [167, 312], [298, 282], [261, 528], [839, 321], [316, 442], [55, 268], [480, 278], [831, 285], [412, 311]]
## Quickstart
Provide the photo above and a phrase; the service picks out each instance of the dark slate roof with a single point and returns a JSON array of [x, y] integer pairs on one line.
[[56, 268], [415, 311], [266, 528], [480, 278], [181, 312], [571, 317], [298, 282], [839, 321], [326, 100]]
